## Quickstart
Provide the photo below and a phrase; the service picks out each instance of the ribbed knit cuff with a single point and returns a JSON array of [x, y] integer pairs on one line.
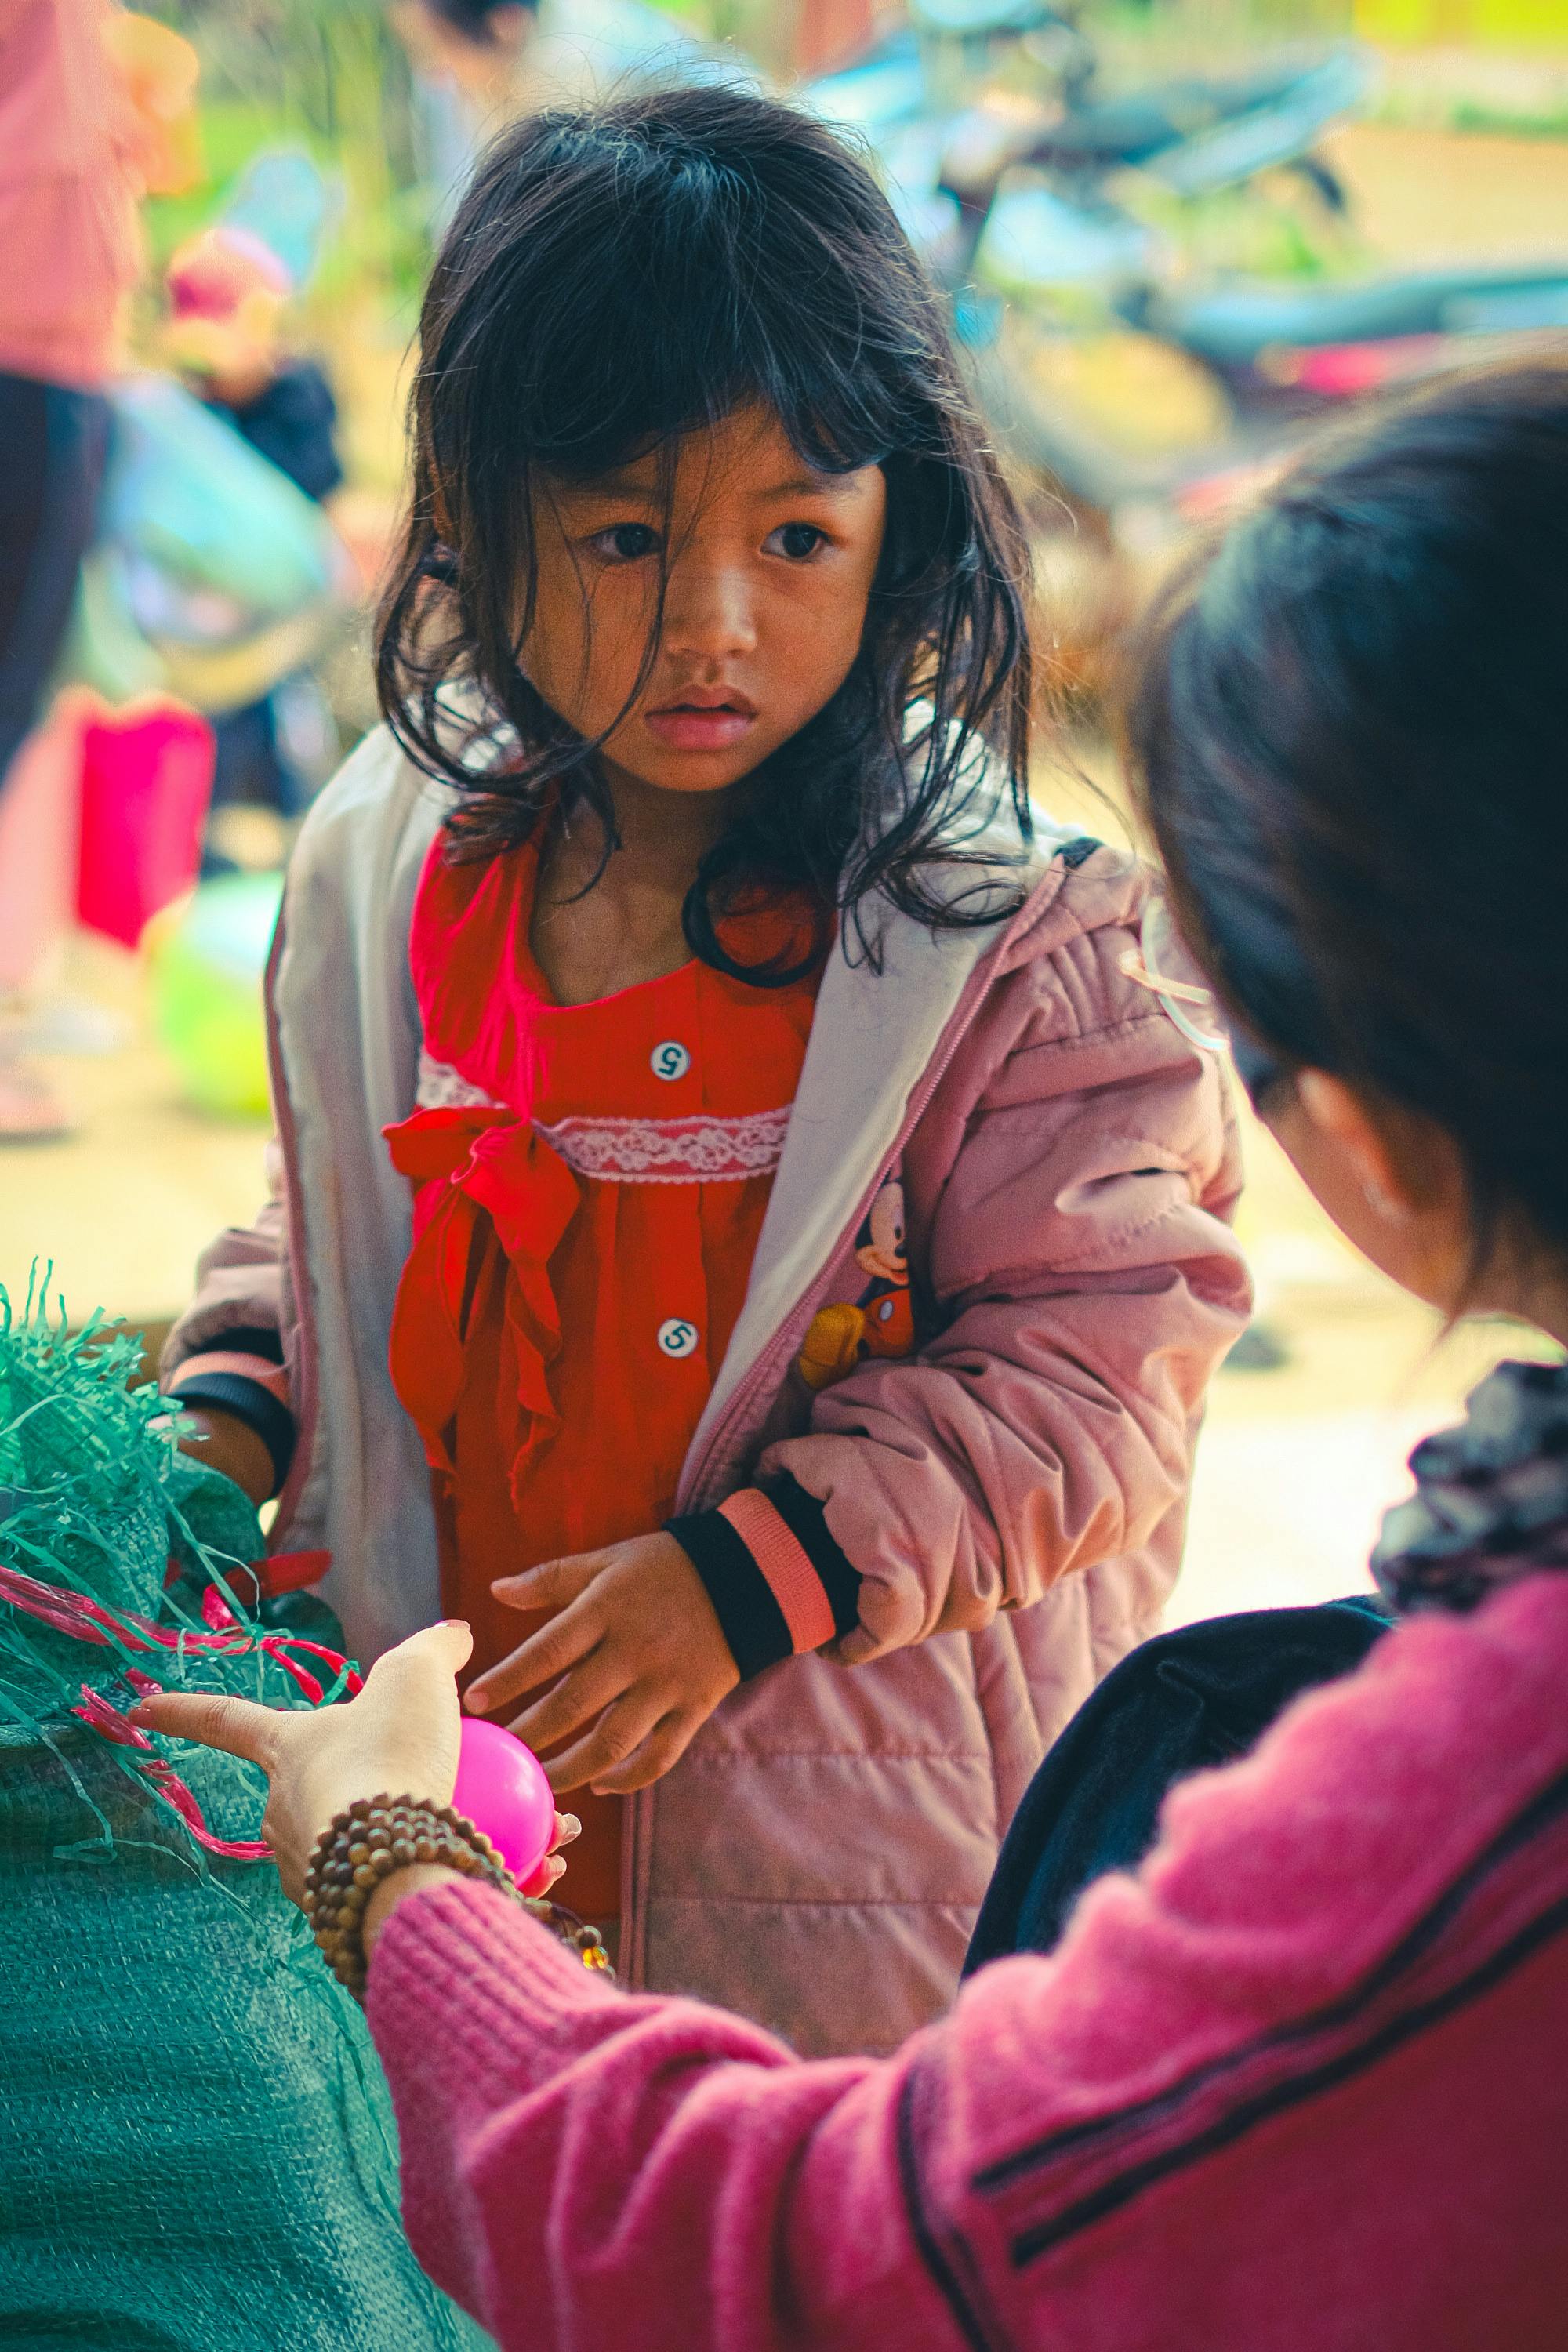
[[754, 1624], [807, 1519], [778, 1582], [242, 1373]]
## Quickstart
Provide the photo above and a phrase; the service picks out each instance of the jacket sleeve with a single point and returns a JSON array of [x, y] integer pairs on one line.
[[1084, 1284], [227, 1349]]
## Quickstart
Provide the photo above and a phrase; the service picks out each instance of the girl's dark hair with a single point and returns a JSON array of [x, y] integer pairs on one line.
[[616, 277], [1351, 735]]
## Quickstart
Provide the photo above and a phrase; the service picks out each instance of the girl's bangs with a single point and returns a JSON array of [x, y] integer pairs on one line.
[[574, 402]]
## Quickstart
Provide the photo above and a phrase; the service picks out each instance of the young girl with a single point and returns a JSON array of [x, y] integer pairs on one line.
[[722, 1164], [1300, 2081]]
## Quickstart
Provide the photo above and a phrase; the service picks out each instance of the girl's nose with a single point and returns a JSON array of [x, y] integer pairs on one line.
[[708, 612]]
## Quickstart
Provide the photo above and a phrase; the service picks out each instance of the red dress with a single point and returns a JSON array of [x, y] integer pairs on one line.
[[590, 1181]]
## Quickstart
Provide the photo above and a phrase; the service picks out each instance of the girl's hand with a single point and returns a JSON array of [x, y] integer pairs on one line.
[[223, 1441], [641, 1657], [398, 1736]]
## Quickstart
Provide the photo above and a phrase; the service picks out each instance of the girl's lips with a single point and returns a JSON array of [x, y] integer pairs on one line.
[[690, 727]]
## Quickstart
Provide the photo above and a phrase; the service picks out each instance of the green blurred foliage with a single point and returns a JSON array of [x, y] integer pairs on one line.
[[330, 74]]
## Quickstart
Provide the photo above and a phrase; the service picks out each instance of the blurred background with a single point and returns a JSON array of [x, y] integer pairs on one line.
[[1175, 235]]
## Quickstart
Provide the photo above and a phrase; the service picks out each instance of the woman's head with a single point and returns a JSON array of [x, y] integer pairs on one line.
[[1352, 741], [689, 436]]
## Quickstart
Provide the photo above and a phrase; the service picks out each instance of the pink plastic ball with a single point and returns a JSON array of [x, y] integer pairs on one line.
[[503, 1790]]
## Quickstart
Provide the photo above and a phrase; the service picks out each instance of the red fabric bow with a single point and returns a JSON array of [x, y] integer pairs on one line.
[[469, 1165]]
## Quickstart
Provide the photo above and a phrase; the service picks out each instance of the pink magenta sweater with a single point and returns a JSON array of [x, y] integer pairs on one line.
[[1301, 2086]]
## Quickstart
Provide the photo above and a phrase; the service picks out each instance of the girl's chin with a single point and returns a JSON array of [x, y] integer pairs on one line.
[[664, 771]]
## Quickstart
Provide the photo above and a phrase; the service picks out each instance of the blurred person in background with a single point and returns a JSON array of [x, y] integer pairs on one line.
[[228, 292], [478, 63], [93, 110]]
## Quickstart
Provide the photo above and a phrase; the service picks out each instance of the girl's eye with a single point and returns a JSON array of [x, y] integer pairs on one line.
[[625, 542], [796, 539]]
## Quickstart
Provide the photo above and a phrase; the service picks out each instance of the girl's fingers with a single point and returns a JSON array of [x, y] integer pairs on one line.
[[551, 1584], [618, 1731], [666, 1744], [235, 1725], [575, 1700], [538, 1660]]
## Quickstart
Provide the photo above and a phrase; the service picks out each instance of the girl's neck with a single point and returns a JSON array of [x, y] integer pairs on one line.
[[665, 834], [593, 938]]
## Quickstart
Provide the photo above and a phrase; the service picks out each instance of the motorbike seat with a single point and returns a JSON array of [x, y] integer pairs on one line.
[[1133, 129]]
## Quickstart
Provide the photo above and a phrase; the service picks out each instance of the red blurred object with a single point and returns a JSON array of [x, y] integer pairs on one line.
[[146, 783], [1350, 370], [290, 1571]]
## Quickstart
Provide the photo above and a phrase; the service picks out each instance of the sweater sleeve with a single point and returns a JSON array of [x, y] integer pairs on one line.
[[1185, 2125], [567, 2147]]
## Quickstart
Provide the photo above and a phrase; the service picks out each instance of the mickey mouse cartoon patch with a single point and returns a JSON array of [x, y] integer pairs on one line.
[[881, 1322]]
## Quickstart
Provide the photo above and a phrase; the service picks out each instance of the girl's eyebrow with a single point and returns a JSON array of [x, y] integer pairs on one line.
[[812, 486]]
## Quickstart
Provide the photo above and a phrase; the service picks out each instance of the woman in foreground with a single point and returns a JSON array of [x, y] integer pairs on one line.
[[1301, 2080]]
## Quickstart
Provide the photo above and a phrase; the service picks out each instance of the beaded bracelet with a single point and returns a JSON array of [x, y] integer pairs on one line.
[[378, 1835]]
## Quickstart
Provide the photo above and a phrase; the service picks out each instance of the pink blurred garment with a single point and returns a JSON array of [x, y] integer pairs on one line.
[[69, 239], [39, 814], [146, 783], [1297, 2087]]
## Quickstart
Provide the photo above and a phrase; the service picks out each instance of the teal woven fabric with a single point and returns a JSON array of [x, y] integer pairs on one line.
[[196, 2145]]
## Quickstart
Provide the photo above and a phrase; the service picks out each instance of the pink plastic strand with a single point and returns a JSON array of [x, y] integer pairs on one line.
[[86, 1621], [105, 1718]]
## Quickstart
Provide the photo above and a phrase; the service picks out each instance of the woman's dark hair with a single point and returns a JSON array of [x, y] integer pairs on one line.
[[1351, 735], [616, 277]]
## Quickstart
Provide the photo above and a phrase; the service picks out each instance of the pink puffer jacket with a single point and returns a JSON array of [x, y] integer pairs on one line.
[[1013, 1496]]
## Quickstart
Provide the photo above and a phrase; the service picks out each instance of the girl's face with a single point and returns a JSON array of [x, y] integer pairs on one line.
[[767, 571]]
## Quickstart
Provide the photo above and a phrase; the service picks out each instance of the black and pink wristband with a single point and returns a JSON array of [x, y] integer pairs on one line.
[[779, 1583]]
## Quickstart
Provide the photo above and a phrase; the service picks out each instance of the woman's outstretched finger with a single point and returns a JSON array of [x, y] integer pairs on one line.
[[236, 1725]]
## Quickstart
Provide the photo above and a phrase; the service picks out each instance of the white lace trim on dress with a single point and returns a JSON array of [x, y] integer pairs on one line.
[[705, 1150], [700, 1150], [441, 1088]]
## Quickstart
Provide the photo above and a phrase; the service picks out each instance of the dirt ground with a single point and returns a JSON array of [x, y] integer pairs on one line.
[[1297, 1462]]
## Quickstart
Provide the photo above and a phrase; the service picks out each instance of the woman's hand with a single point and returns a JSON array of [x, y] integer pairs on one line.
[[398, 1736], [641, 1657]]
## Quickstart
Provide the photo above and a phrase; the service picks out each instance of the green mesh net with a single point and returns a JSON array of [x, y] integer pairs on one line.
[[197, 2148]]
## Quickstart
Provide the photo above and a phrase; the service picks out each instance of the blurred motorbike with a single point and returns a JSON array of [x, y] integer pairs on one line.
[[971, 90], [1051, 214], [1149, 334]]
